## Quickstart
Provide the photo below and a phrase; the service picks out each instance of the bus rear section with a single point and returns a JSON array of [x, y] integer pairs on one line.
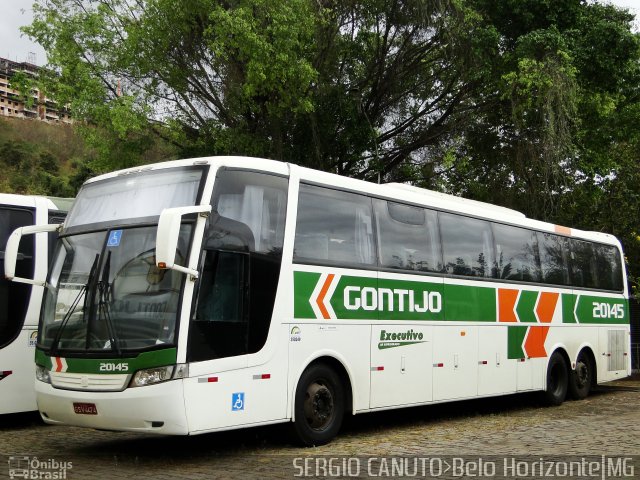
[[20, 302]]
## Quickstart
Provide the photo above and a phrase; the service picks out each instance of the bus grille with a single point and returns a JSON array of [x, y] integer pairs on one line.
[[89, 382]]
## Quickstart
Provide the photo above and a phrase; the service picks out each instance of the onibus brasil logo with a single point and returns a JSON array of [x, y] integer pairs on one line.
[[399, 339]]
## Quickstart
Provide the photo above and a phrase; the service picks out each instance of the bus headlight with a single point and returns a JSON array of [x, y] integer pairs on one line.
[[150, 376], [42, 374]]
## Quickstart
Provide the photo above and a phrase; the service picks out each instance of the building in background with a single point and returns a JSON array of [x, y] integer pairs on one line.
[[13, 105]]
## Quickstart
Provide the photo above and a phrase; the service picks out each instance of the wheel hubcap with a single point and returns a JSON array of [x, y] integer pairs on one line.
[[318, 406], [582, 374]]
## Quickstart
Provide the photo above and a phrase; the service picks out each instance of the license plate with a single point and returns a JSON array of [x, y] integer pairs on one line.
[[85, 408]]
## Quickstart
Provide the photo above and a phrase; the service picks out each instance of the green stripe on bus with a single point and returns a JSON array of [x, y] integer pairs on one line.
[[155, 358], [303, 285], [350, 297], [568, 305], [605, 310], [526, 306], [515, 336], [463, 303]]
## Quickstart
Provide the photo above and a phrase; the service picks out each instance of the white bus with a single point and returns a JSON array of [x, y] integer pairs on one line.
[[19, 302], [219, 293]]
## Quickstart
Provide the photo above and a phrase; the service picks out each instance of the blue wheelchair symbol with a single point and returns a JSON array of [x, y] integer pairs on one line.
[[114, 238], [237, 401]]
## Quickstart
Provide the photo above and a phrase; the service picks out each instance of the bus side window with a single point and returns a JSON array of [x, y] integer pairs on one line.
[[334, 227], [517, 253], [407, 237], [608, 267], [249, 211], [221, 321], [467, 245], [243, 243], [14, 297], [583, 264], [554, 251]]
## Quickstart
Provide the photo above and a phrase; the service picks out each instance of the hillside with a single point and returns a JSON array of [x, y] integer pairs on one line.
[[40, 158], [47, 159]]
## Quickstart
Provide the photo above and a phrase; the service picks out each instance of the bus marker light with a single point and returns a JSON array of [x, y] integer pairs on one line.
[[208, 380], [377, 369], [5, 373], [438, 365], [264, 376], [162, 265], [483, 362]]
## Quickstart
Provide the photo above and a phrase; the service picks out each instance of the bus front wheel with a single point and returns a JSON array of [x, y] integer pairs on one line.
[[319, 405], [557, 380]]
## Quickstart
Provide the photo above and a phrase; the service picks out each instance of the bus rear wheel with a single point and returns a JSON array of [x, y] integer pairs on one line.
[[319, 405], [557, 380], [581, 378]]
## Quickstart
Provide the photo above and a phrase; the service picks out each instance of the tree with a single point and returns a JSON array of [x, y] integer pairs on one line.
[[362, 88]]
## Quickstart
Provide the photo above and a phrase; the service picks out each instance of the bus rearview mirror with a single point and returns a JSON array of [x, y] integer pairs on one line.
[[168, 234], [11, 254]]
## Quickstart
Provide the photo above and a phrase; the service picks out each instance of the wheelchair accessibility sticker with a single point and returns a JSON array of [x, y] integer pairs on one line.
[[237, 401], [114, 238]]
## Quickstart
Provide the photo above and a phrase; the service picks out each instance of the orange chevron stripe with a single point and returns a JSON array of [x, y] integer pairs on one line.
[[534, 343], [506, 304], [323, 293], [58, 364], [547, 302]]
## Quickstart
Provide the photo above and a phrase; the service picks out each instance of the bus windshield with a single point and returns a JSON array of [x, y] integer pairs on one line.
[[105, 293], [136, 195]]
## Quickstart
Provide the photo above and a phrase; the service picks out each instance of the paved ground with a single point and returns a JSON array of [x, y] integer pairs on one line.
[[606, 423]]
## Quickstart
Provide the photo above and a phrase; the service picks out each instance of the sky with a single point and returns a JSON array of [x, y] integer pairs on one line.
[[16, 46]]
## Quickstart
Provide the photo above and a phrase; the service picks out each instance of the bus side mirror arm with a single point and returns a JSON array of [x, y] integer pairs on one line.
[[167, 237], [11, 254]]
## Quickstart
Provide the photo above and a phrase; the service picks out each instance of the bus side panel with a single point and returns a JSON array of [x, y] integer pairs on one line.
[[347, 343], [614, 353], [17, 374], [401, 364], [497, 374], [237, 391], [455, 362]]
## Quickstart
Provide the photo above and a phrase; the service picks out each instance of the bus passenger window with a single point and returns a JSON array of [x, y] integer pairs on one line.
[[467, 244], [583, 264], [608, 267], [554, 251], [334, 226], [517, 253], [408, 237]]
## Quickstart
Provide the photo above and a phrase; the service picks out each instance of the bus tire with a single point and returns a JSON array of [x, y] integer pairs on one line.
[[319, 405], [581, 378], [557, 380]]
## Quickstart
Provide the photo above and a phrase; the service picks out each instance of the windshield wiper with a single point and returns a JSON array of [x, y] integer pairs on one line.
[[54, 345], [104, 290]]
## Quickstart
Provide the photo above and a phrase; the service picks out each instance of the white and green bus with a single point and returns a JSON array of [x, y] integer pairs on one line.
[[19, 302], [219, 293]]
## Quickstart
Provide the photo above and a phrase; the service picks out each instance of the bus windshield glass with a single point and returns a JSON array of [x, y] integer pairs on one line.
[[137, 195], [105, 293]]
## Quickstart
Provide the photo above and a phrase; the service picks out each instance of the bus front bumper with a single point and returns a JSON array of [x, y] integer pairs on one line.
[[150, 409]]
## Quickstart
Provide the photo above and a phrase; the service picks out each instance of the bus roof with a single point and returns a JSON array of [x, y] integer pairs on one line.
[[392, 191]]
